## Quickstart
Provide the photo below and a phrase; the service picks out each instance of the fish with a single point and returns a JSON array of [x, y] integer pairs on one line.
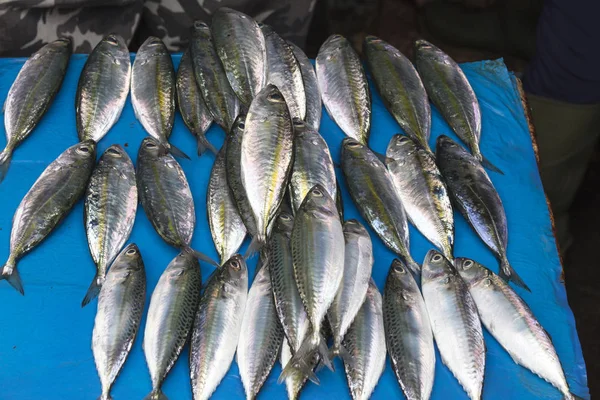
[[261, 334], [477, 200], [510, 321], [217, 326], [283, 71], [401, 89], [296, 381], [241, 47], [218, 95], [266, 157], [358, 263], [170, 318], [452, 94], [103, 88], [365, 341], [454, 322], [233, 159], [344, 88], [311, 88], [120, 309], [372, 190], [317, 244], [110, 206], [226, 226], [312, 165], [49, 200], [408, 333], [153, 91], [31, 94], [422, 190], [191, 104]]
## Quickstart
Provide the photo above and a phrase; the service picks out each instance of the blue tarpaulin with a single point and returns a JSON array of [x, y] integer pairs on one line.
[[45, 336]]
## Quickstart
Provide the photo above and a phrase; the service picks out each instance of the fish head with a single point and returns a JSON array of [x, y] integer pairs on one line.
[[84, 152], [318, 201], [272, 94], [299, 126], [284, 222], [426, 50], [400, 279], [63, 44], [182, 266], [238, 125], [116, 44], [471, 271], [128, 261], [436, 267], [151, 148], [115, 152], [335, 41], [201, 30], [235, 270], [353, 149], [399, 147], [447, 150], [151, 47], [354, 228]]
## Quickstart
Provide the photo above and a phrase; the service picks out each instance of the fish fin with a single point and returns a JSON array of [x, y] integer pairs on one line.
[[156, 394], [334, 351], [509, 274], [10, 272], [300, 361], [256, 244], [204, 144], [300, 368], [202, 257], [177, 152], [347, 357], [93, 290], [572, 396], [5, 158], [414, 267], [383, 158], [105, 396], [324, 353], [488, 165]]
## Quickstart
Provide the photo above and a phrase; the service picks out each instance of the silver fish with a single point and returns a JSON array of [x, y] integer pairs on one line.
[[212, 80], [455, 322], [170, 318], [344, 88], [365, 341], [422, 190], [217, 326], [408, 333], [261, 334], [284, 72], [372, 189], [312, 165], [31, 94], [242, 50], [318, 258], [103, 88], [109, 213], [226, 226], [234, 173], [508, 318], [192, 107], [358, 263], [477, 200], [451, 92], [311, 88], [49, 200], [401, 89], [153, 91], [120, 309], [266, 156]]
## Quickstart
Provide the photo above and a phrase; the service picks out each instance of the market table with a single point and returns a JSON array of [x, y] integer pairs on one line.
[[45, 336]]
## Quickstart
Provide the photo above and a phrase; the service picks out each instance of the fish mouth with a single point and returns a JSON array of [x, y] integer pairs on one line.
[[200, 24], [372, 39], [422, 44]]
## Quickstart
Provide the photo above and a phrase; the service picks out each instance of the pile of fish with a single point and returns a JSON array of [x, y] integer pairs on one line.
[[274, 180]]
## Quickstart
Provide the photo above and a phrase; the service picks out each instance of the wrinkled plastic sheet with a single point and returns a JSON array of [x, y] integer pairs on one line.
[[45, 336]]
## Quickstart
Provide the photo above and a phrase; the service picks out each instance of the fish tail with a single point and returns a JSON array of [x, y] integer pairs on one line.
[[413, 266], [572, 396], [488, 165], [93, 290], [204, 144], [105, 396], [5, 158], [301, 360], [347, 357], [10, 272], [202, 257], [509, 274], [256, 244], [177, 152], [335, 349], [156, 394]]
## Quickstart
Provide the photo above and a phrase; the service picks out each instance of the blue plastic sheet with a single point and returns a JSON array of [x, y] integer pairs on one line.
[[45, 336]]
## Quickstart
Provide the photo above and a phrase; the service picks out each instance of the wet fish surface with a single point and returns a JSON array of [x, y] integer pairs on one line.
[[454, 322], [109, 212], [372, 189], [408, 333], [241, 47], [401, 89], [120, 309], [217, 326], [284, 72], [226, 226], [191, 104], [170, 318], [344, 88], [422, 190], [477, 200], [508, 318], [49, 200], [450, 91], [365, 342], [103, 88], [31, 94], [311, 88]]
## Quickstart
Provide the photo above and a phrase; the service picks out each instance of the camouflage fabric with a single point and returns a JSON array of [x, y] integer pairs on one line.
[[26, 25]]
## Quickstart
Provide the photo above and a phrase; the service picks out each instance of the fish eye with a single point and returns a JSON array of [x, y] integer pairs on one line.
[[113, 152], [487, 282], [276, 97], [318, 192], [436, 258], [111, 40], [241, 125], [353, 145], [131, 252], [84, 149], [200, 24], [298, 122], [235, 265], [403, 139], [285, 217], [150, 145], [467, 264], [399, 268]]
